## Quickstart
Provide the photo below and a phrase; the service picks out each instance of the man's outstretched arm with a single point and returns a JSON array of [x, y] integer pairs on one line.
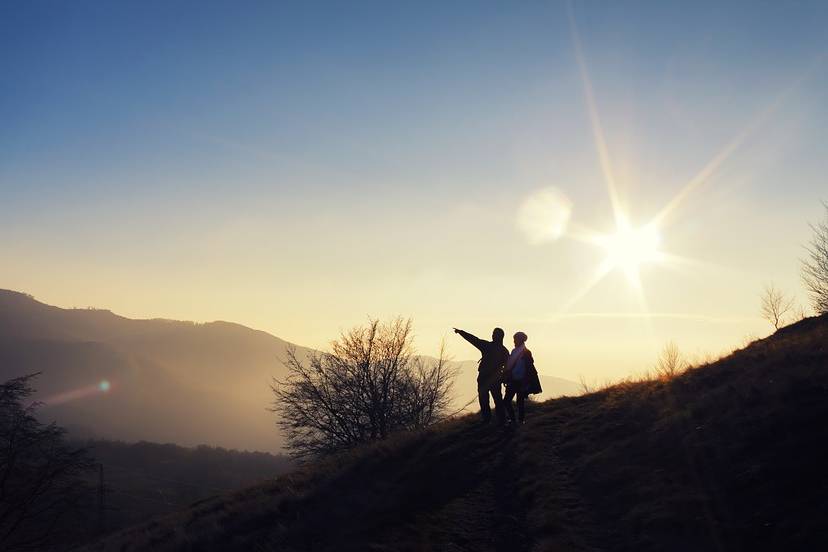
[[474, 340]]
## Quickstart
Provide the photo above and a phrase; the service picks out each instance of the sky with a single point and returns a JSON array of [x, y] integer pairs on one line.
[[300, 167]]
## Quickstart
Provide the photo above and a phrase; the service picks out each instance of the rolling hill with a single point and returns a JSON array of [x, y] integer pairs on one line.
[[170, 381], [727, 456]]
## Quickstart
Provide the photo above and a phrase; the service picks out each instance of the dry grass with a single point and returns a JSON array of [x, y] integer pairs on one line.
[[729, 455]]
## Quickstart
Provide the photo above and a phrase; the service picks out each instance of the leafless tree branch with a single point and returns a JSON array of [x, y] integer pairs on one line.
[[40, 475], [370, 385], [671, 362], [775, 305], [815, 267]]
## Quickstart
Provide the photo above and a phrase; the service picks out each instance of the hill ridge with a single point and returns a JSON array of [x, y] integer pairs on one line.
[[23, 297]]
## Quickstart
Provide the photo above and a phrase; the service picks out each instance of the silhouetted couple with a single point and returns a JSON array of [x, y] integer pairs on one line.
[[499, 367]]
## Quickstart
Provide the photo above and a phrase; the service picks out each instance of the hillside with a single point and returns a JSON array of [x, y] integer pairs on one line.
[[729, 456], [171, 381]]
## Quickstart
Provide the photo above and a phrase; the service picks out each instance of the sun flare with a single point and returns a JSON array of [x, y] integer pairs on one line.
[[630, 248]]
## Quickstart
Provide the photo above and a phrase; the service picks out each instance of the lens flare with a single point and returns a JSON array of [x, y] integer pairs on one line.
[[102, 387], [544, 215]]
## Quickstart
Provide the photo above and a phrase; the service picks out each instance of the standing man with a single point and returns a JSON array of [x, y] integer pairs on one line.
[[489, 372]]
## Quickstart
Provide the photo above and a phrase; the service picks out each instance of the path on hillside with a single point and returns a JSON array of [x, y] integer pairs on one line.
[[460, 487], [509, 526], [500, 511], [483, 515]]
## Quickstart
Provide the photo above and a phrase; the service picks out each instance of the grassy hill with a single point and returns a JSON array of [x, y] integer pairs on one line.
[[729, 456]]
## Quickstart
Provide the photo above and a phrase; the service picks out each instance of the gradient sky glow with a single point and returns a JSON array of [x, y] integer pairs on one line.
[[298, 167]]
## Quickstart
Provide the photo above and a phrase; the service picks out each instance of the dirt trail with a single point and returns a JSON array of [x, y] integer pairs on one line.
[[509, 523], [501, 511], [560, 519]]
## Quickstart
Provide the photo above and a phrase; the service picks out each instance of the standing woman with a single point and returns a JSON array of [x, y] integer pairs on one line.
[[521, 377]]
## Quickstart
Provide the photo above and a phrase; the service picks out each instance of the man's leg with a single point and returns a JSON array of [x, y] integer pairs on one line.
[[495, 390], [507, 402], [483, 397]]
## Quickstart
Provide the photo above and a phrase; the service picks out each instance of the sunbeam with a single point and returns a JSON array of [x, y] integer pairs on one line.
[[731, 147], [581, 233], [595, 121], [603, 269], [627, 248]]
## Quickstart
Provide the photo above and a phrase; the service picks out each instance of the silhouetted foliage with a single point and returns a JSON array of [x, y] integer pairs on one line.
[[40, 475], [369, 386], [671, 362], [775, 305], [149, 479], [815, 267]]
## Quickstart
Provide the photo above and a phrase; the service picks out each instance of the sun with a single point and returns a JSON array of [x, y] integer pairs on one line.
[[629, 248]]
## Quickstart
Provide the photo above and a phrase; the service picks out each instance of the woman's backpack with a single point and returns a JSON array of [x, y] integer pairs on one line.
[[533, 386]]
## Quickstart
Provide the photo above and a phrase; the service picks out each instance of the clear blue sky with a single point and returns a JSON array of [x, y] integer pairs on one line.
[[220, 159]]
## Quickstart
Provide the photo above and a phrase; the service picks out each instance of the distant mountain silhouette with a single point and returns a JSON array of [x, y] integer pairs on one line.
[[171, 381], [728, 456]]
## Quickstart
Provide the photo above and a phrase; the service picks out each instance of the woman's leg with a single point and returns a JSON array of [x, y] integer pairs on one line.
[[507, 402], [521, 399]]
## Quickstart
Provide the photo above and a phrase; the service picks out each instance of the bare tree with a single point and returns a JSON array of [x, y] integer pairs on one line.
[[40, 475], [370, 385], [800, 313], [815, 267], [775, 305], [671, 362]]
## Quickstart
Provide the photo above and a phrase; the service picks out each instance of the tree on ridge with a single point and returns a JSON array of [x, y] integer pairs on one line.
[[370, 385]]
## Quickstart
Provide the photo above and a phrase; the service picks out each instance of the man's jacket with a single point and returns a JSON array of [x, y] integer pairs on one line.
[[492, 362]]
